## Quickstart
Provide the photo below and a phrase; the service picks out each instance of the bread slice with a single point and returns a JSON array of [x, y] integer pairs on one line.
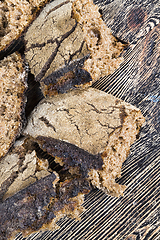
[[15, 16], [91, 120], [12, 100]]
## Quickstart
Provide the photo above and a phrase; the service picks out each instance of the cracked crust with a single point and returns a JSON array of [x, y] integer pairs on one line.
[[12, 100], [94, 121], [84, 118], [57, 40], [19, 169], [68, 42]]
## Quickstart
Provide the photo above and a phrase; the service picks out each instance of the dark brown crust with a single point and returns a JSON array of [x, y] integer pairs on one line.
[[69, 77], [71, 155], [28, 209], [74, 186], [69, 80], [38, 204]]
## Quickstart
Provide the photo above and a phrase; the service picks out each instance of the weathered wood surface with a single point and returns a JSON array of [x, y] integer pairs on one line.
[[130, 20], [136, 215]]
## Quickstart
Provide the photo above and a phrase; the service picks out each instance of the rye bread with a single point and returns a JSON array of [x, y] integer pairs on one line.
[[94, 121]]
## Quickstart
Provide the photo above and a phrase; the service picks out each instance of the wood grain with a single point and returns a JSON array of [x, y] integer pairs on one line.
[[130, 20], [136, 215]]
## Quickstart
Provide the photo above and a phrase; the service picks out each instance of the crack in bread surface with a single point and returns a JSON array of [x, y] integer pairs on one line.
[[83, 118], [91, 120], [19, 169]]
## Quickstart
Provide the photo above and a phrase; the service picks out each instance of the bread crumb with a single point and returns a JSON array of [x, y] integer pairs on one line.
[[103, 46], [15, 16], [12, 100]]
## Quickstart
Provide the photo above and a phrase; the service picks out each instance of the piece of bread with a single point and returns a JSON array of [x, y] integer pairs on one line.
[[15, 16], [94, 121], [20, 168], [103, 46], [68, 43], [12, 100], [40, 206], [57, 40], [40, 197]]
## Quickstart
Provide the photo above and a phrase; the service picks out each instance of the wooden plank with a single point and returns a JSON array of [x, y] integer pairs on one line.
[[130, 20]]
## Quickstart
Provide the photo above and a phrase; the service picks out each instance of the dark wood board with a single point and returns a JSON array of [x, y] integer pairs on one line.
[[136, 215]]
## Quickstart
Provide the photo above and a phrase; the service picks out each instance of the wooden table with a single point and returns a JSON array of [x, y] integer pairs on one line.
[[137, 81]]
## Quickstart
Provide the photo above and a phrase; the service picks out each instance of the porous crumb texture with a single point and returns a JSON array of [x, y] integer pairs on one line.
[[103, 46], [115, 154], [12, 88], [15, 15]]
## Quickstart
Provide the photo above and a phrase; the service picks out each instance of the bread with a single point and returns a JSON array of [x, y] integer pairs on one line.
[[20, 168], [12, 100], [87, 132], [94, 121], [68, 42], [15, 16], [57, 40], [103, 46], [34, 198]]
